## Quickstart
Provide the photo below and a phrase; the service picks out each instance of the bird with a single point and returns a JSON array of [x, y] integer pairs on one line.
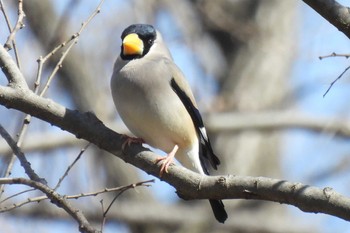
[[156, 103]]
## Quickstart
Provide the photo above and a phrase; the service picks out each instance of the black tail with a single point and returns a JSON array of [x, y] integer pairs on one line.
[[218, 210]]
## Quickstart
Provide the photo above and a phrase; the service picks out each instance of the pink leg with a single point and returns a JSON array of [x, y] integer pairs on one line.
[[167, 160], [129, 140]]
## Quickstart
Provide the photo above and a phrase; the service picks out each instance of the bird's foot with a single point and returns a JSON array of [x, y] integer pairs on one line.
[[167, 160], [129, 140]]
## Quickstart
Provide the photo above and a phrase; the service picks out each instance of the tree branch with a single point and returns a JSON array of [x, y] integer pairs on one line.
[[17, 151], [9, 67], [38, 199], [59, 201], [305, 197], [333, 12], [19, 25], [189, 185]]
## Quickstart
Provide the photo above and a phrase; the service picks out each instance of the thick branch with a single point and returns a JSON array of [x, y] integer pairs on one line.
[[306, 198], [333, 12], [189, 185], [9, 67]]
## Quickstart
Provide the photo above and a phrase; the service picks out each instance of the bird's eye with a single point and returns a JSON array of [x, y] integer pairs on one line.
[[150, 41]]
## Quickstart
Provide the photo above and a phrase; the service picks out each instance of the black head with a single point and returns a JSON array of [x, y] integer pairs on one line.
[[137, 41]]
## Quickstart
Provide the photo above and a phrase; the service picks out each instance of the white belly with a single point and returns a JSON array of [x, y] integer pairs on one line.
[[162, 121]]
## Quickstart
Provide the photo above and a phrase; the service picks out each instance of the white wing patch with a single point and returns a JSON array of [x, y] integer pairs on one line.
[[204, 133]]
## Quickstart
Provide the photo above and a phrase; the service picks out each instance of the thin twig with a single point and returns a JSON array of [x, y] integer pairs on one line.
[[110, 205], [17, 151], [71, 166], [20, 204], [71, 41], [76, 35], [8, 23], [57, 67], [56, 199], [63, 21], [17, 194], [23, 159], [19, 25], [122, 190], [334, 55], [103, 216], [76, 196], [332, 83], [7, 172], [38, 75], [3, 10]]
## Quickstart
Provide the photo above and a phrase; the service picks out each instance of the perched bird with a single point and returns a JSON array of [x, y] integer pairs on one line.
[[156, 103]]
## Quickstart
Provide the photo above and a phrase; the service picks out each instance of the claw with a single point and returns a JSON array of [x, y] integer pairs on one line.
[[167, 161], [129, 140]]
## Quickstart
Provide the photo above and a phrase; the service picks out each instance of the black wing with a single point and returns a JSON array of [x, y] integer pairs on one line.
[[206, 152]]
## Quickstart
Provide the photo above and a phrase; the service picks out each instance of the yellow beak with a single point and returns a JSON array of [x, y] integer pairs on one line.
[[132, 45]]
